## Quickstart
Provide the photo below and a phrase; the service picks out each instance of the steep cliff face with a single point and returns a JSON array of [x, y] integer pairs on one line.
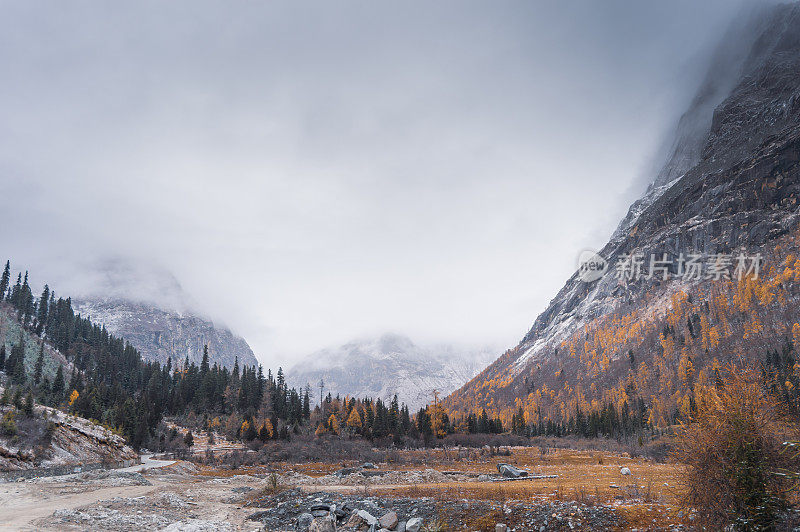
[[388, 365], [730, 184]]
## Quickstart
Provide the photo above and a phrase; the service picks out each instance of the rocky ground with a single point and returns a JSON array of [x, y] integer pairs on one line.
[[182, 497], [318, 511], [359, 496]]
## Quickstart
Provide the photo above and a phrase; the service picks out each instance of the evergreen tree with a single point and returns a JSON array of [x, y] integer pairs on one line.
[[58, 384], [17, 369], [16, 291], [37, 370], [2, 356], [306, 405], [41, 315], [204, 368], [5, 280], [28, 406]]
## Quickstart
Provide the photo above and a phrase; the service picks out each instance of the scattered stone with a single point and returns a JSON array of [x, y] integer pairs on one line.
[[509, 471], [414, 524], [388, 520], [369, 465], [624, 471], [322, 524], [304, 521], [367, 517]]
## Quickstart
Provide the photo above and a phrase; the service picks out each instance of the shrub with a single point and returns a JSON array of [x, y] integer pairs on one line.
[[8, 426], [732, 447]]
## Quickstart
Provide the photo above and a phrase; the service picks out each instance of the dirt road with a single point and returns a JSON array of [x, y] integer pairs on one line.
[[24, 503]]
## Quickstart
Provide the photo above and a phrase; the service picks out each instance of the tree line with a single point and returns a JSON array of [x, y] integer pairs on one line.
[[111, 383]]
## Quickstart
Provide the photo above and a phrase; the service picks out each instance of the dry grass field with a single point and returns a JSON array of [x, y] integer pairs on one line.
[[645, 499]]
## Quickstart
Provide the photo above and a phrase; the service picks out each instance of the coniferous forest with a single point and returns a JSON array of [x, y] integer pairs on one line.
[[106, 379]]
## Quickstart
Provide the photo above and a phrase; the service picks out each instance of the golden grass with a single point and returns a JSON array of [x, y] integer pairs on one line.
[[580, 474]]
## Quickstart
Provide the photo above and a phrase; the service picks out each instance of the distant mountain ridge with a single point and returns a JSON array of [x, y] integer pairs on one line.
[[149, 308], [388, 365]]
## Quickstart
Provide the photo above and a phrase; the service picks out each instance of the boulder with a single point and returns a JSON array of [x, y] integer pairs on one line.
[[322, 524], [388, 520], [414, 524], [509, 471], [369, 465], [304, 521], [500, 527], [624, 471], [361, 518]]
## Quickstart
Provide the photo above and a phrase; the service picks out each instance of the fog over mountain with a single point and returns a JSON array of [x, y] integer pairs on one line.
[[312, 173], [390, 365]]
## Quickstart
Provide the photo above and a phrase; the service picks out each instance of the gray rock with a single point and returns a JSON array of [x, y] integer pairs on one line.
[[304, 521], [369, 465], [322, 524], [388, 520], [509, 471], [361, 518], [414, 524], [500, 527], [624, 471]]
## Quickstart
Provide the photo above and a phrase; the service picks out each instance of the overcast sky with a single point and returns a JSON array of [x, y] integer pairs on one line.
[[313, 172]]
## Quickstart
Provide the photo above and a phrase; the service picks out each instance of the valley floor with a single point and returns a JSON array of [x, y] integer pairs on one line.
[[448, 490]]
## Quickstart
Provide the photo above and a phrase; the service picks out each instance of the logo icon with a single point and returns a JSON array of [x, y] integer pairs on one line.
[[591, 266]]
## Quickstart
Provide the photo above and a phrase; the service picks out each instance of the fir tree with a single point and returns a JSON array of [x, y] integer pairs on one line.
[[41, 315], [58, 384], [16, 291], [27, 408], [5, 280], [37, 370]]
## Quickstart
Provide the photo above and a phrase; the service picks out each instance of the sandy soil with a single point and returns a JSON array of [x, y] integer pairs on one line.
[[87, 502]]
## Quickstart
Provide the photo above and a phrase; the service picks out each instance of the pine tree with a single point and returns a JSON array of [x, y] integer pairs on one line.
[[37, 370], [58, 384], [204, 367], [17, 368], [41, 316], [26, 301], [5, 280], [2, 356], [306, 405], [16, 291], [28, 406]]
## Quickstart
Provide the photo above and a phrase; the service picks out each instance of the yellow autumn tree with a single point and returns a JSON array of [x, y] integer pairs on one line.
[[333, 424], [266, 431], [73, 396], [354, 420]]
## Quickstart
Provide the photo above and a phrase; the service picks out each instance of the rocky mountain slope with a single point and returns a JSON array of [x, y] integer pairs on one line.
[[388, 365], [729, 186], [52, 438], [157, 317]]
